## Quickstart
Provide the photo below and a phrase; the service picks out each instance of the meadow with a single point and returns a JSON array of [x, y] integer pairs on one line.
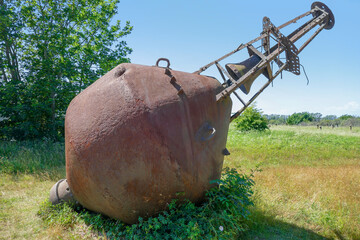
[[307, 184]]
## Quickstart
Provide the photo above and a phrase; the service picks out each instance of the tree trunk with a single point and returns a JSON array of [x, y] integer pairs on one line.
[[3, 70]]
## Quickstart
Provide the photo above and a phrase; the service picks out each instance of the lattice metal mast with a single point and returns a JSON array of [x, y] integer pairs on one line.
[[260, 62]]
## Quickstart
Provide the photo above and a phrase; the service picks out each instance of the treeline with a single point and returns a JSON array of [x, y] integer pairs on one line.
[[306, 118], [50, 51]]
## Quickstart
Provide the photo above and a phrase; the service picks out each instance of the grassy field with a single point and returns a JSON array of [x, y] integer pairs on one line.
[[308, 186]]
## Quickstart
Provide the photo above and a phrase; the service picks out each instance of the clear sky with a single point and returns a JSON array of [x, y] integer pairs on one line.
[[193, 33]]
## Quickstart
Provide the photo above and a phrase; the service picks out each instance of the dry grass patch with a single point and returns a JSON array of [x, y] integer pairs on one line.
[[323, 199], [340, 131]]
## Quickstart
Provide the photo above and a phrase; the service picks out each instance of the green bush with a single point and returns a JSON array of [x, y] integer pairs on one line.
[[251, 119], [222, 216]]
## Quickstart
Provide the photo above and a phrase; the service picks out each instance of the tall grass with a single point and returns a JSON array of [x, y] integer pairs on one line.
[[341, 131], [32, 157]]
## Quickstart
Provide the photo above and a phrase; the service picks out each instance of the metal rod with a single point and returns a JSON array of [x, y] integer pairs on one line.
[[295, 19], [313, 24], [300, 28], [311, 38], [238, 97], [220, 71]]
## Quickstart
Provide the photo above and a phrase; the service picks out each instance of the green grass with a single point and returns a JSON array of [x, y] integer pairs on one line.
[[309, 186], [27, 172], [33, 157], [292, 146], [20, 198]]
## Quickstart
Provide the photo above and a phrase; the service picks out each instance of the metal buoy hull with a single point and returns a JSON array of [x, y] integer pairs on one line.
[[141, 136]]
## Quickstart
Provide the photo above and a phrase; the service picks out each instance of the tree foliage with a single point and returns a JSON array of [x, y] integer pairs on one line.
[[297, 118], [50, 50], [306, 118], [345, 117], [251, 119], [276, 119]]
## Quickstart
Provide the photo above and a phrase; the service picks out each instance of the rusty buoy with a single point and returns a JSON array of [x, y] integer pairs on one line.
[[140, 135]]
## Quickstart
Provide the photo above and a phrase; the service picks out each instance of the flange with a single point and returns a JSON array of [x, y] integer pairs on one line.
[[330, 20]]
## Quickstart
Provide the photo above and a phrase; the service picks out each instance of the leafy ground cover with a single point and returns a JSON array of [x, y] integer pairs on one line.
[[309, 187], [223, 216]]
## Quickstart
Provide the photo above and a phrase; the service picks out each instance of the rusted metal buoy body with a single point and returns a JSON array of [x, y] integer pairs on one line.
[[141, 136]]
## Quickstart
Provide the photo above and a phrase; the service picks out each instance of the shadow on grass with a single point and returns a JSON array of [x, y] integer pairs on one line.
[[268, 228]]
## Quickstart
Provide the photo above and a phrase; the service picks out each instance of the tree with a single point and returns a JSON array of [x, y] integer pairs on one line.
[[345, 117], [297, 118], [276, 119], [315, 116], [10, 27], [251, 119], [63, 46], [11, 85], [329, 117], [353, 121]]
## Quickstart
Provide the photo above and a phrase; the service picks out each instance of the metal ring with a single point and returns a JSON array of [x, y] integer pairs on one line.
[[163, 59]]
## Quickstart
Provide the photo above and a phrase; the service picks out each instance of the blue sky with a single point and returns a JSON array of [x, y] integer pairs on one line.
[[193, 33]]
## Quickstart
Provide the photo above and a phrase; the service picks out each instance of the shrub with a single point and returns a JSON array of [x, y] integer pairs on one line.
[[222, 216], [251, 119]]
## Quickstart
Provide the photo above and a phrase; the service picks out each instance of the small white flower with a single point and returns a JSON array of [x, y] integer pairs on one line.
[[221, 228]]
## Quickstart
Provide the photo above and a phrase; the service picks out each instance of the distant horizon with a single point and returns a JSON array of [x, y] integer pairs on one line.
[[322, 115]]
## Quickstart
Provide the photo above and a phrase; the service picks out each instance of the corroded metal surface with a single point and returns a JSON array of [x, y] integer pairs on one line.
[[140, 136]]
